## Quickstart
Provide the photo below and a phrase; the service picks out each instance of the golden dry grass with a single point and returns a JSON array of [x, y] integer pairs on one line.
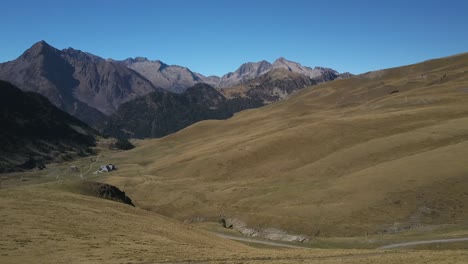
[[49, 224], [350, 157]]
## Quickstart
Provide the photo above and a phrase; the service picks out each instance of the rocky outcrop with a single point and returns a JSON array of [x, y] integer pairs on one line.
[[105, 191]]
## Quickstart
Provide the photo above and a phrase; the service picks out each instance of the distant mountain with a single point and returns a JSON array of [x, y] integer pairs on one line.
[[270, 87], [177, 78], [158, 114], [246, 72], [252, 70], [92, 88], [79, 83], [33, 131], [170, 77], [316, 72]]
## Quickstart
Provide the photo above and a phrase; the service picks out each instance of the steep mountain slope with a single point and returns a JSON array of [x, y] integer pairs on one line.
[[381, 152], [273, 86], [170, 77], [33, 131], [158, 114], [79, 83]]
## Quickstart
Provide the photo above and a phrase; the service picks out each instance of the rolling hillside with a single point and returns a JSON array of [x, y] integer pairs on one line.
[[379, 153], [52, 223]]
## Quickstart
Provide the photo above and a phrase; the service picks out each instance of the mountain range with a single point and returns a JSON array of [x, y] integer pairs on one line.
[[177, 79], [92, 88], [270, 87]]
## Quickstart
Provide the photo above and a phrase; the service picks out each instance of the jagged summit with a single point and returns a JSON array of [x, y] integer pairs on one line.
[[251, 70]]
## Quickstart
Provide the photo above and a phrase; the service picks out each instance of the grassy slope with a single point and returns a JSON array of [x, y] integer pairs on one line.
[[58, 226], [49, 224], [345, 158]]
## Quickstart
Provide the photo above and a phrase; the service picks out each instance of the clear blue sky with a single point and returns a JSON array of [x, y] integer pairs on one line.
[[215, 37]]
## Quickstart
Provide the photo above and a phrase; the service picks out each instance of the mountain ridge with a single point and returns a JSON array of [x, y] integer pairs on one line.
[[92, 88], [80, 83]]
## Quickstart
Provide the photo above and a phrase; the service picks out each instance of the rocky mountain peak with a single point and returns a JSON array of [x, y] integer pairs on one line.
[[280, 59], [254, 68], [39, 48], [40, 45], [283, 61]]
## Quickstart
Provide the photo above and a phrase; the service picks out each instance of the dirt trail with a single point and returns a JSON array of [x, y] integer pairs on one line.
[[257, 241], [397, 245], [90, 167], [416, 243]]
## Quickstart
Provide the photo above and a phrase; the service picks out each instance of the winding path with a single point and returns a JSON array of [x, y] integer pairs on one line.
[[251, 240], [90, 167], [391, 246], [424, 242]]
